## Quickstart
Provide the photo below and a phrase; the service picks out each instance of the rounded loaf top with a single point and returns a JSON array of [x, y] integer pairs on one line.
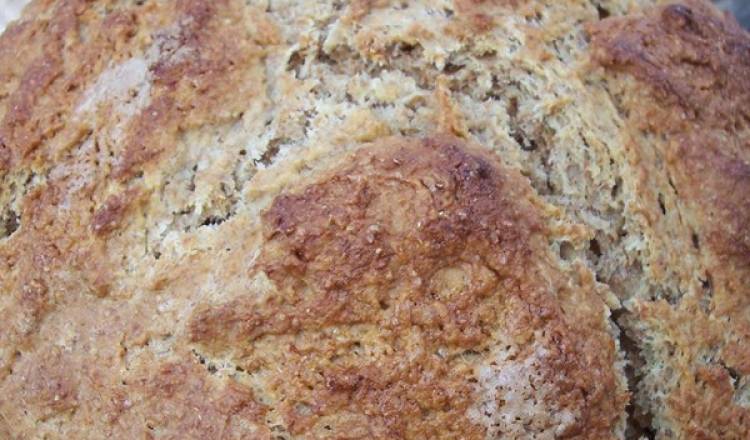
[[447, 219]]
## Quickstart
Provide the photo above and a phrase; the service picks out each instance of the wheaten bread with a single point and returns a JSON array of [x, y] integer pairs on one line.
[[457, 219]]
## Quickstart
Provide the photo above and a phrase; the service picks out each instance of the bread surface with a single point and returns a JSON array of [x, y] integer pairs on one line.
[[466, 219]]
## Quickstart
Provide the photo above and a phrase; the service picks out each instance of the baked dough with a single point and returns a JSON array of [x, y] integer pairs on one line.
[[499, 219]]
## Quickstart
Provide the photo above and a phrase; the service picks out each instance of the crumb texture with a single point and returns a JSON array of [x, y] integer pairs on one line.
[[693, 116]]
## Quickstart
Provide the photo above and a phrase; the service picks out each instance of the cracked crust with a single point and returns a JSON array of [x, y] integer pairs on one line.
[[695, 65], [374, 219]]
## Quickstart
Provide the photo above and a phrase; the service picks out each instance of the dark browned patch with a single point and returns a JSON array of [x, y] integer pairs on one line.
[[110, 215], [694, 58], [480, 13], [434, 243]]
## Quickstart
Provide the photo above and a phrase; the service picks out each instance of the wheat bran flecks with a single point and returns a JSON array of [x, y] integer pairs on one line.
[[374, 219]]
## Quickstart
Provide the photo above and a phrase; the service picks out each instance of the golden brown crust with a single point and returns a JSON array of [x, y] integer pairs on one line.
[[63, 136], [199, 78], [201, 58], [197, 241], [693, 58], [436, 245], [45, 89]]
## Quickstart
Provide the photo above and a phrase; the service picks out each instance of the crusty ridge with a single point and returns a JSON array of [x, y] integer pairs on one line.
[[431, 248]]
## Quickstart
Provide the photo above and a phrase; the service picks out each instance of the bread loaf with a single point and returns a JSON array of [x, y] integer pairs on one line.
[[448, 219]]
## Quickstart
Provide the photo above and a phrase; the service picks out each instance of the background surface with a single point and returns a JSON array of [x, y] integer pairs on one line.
[[9, 10], [740, 8]]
